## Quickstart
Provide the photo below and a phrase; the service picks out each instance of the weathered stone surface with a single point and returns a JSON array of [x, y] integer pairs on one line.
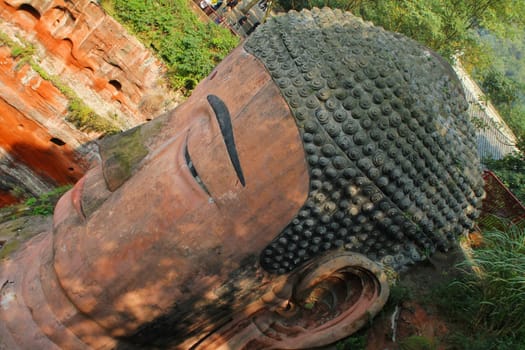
[[94, 57], [36, 144], [14, 232], [391, 152]]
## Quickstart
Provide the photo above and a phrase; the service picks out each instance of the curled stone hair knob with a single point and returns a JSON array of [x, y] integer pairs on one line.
[[363, 100]]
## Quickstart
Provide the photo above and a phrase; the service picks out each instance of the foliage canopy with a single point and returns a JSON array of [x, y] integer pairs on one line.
[[446, 26]]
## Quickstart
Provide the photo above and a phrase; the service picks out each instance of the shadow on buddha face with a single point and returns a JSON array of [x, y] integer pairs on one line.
[[160, 242]]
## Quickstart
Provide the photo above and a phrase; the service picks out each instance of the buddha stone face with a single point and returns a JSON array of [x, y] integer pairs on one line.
[[185, 218], [317, 152]]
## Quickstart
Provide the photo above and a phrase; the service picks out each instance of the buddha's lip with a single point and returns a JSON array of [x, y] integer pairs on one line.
[[69, 204], [76, 197]]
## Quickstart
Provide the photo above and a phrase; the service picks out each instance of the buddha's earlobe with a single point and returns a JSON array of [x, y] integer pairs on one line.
[[336, 295], [327, 300]]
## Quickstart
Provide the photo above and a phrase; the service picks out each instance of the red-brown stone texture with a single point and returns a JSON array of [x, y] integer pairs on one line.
[[36, 145], [93, 56]]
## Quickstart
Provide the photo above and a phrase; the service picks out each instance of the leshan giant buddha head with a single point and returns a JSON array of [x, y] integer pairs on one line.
[[263, 211]]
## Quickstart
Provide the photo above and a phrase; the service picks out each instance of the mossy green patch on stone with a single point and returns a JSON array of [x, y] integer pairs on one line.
[[8, 248], [121, 155], [18, 230]]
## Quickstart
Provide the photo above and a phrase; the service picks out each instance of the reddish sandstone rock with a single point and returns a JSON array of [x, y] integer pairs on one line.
[[92, 55], [36, 144], [102, 62]]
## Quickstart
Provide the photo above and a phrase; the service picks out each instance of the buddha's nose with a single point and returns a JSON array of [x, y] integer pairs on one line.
[[121, 155]]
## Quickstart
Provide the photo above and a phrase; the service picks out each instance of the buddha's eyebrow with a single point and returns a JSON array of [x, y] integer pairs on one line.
[[225, 124]]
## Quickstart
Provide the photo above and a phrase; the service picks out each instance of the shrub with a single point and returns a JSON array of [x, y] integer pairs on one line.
[[484, 306], [190, 48], [44, 204], [354, 342]]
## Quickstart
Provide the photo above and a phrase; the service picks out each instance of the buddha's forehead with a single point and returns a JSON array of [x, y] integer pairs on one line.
[[393, 167], [236, 81]]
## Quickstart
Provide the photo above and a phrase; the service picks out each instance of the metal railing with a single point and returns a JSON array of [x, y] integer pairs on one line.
[[494, 137]]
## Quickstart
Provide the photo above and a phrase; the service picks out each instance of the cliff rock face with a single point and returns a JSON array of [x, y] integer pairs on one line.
[[59, 59]]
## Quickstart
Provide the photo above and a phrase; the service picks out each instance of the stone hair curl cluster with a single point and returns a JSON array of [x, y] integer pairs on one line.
[[393, 167]]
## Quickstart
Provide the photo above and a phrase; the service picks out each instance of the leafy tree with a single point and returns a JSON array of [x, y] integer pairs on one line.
[[510, 54], [504, 81], [516, 120], [446, 26], [501, 90]]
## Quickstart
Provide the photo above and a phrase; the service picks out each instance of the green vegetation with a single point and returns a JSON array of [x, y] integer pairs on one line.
[[22, 51], [447, 26], [417, 342], [507, 71], [21, 216], [85, 119], [80, 115], [511, 170], [500, 282], [482, 301], [354, 342], [504, 84], [398, 294], [507, 94], [502, 91], [486, 305], [190, 48], [44, 204]]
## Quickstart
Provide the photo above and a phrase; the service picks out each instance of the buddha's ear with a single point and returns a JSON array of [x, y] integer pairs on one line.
[[323, 302], [334, 297]]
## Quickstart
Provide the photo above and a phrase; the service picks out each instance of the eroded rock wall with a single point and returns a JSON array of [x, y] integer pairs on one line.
[[53, 50]]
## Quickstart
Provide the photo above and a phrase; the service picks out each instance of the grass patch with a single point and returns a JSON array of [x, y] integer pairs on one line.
[[486, 305], [21, 51], [85, 119], [500, 282], [79, 114]]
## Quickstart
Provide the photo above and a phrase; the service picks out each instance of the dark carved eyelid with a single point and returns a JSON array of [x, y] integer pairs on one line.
[[224, 120], [193, 171]]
